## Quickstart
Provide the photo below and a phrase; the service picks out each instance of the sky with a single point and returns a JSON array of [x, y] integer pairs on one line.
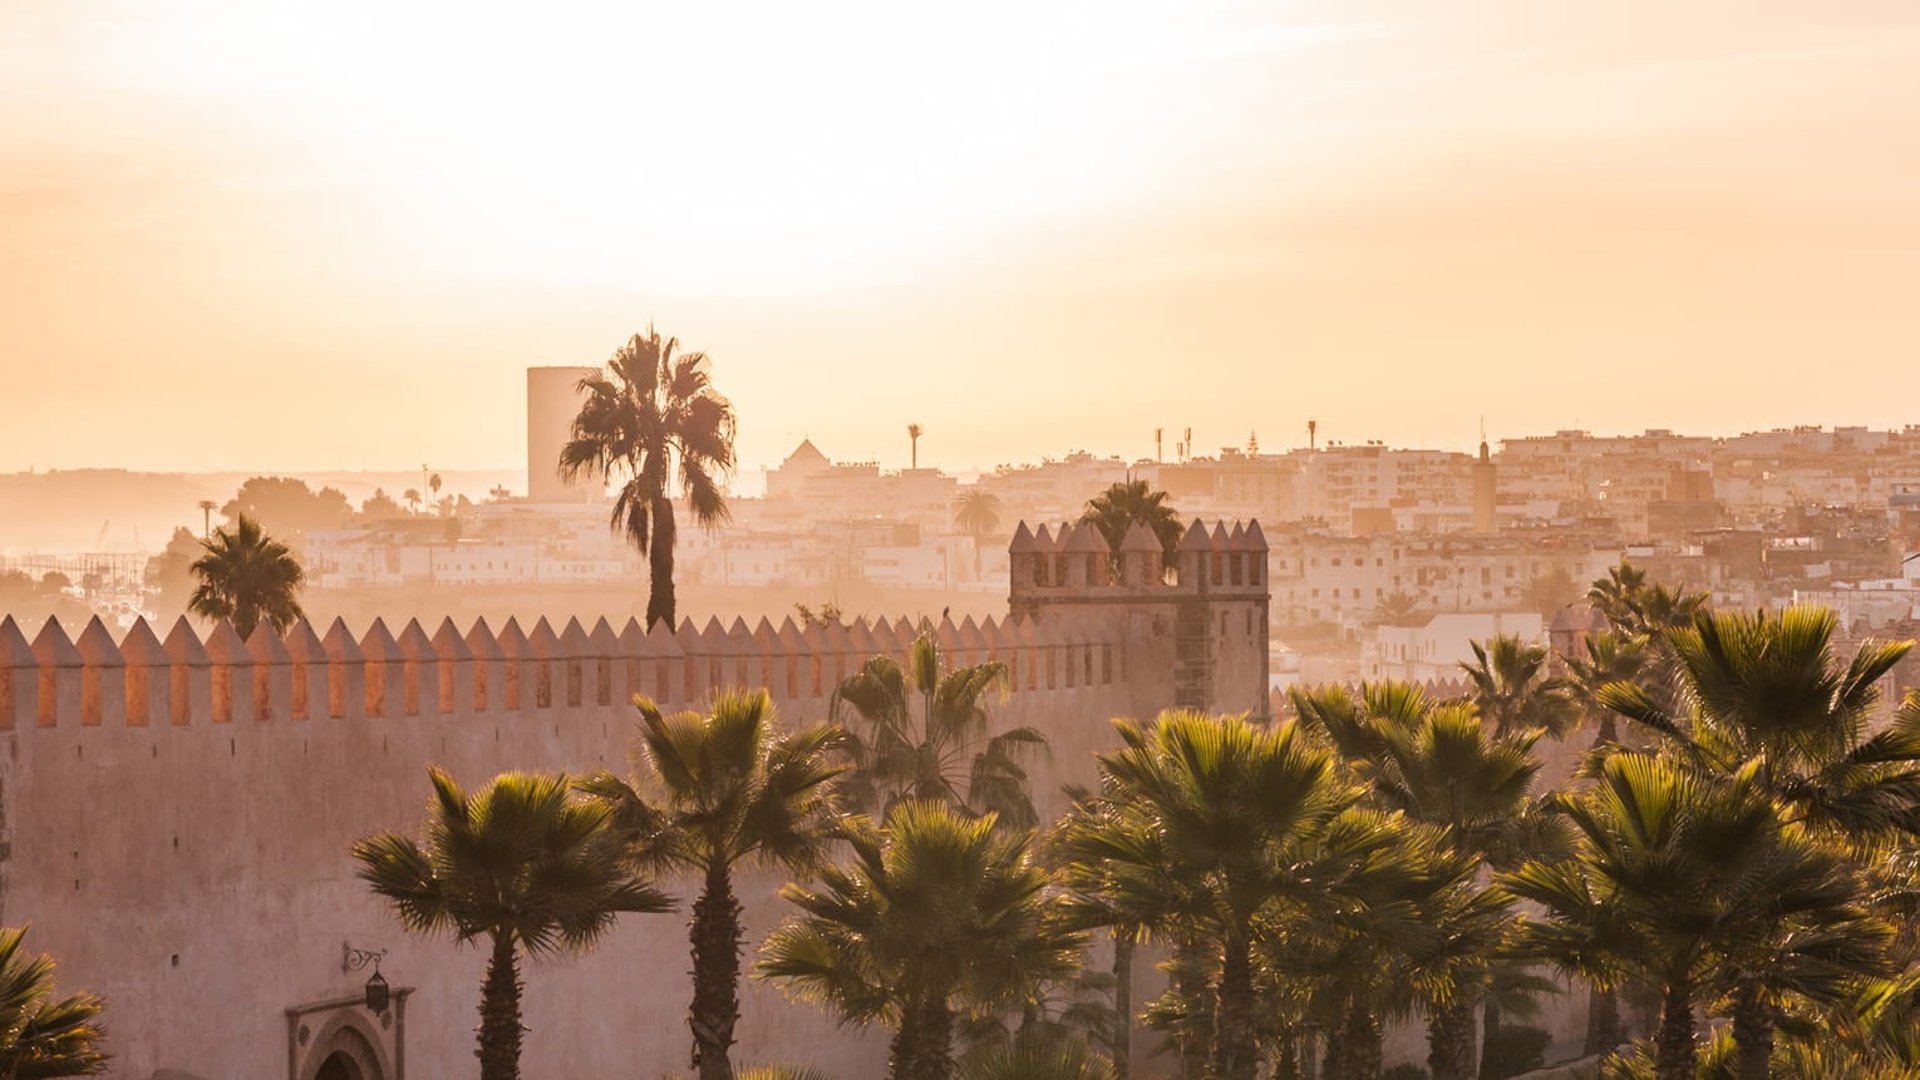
[[279, 236]]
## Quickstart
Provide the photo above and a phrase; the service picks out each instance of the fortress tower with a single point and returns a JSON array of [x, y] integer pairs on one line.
[[1195, 633]]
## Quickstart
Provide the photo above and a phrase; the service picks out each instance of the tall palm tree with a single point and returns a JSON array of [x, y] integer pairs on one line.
[[247, 576], [1635, 606], [922, 732], [207, 507], [41, 1035], [937, 912], [1093, 897], [1123, 505], [1692, 884], [913, 434], [720, 790], [412, 498], [522, 863], [1514, 689], [976, 513], [654, 415]]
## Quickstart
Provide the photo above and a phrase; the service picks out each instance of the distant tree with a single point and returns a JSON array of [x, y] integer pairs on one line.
[[53, 581], [207, 507], [247, 576], [41, 1035], [379, 505], [433, 484], [1398, 608], [170, 573], [287, 507], [444, 507], [828, 614], [522, 863], [655, 416], [1549, 592], [913, 434], [976, 513], [412, 499], [1121, 506]]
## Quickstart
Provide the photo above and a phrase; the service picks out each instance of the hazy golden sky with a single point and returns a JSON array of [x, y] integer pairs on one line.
[[270, 235]]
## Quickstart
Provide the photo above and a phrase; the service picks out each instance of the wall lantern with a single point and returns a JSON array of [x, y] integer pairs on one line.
[[379, 994]]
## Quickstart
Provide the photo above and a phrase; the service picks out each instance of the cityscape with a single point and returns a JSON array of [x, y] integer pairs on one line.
[[1225, 540]]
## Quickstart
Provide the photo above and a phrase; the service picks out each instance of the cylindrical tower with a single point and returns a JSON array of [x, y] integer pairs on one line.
[[553, 399]]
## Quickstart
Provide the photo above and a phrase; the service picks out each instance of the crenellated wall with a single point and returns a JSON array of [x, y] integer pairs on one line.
[[176, 811]]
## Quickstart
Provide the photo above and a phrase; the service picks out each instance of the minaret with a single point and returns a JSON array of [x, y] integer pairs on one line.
[[1483, 490]]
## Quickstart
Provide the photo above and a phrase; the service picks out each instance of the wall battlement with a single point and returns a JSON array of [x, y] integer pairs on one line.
[[1063, 636], [143, 680]]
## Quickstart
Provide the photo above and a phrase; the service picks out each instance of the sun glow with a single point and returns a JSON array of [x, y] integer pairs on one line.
[[736, 147]]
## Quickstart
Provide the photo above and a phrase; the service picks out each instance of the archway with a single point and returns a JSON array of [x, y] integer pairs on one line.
[[338, 1066], [344, 1052]]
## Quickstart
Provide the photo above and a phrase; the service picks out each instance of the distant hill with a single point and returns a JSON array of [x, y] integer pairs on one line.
[[64, 510]]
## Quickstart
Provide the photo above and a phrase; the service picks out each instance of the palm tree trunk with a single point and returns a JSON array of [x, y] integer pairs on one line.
[[1752, 1034], [500, 1028], [936, 1040], [903, 1058], [1234, 1054], [1286, 1061], [1450, 1042], [1603, 1022], [1122, 1049], [1674, 1050], [1489, 1031], [660, 606], [716, 974], [1359, 1040]]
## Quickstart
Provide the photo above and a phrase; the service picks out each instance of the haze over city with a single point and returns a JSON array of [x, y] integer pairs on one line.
[[1044, 540], [1032, 227]]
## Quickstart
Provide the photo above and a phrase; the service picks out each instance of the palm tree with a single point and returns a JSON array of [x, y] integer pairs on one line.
[[433, 484], [1635, 607], [1222, 825], [938, 912], [207, 507], [1437, 764], [654, 415], [41, 1035], [1514, 689], [922, 733], [1769, 688], [1397, 608], [247, 576], [1690, 884], [976, 513], [412, 499], [913, 433], [727, 788], [522, 863], [1123, 505], [1093, 898]]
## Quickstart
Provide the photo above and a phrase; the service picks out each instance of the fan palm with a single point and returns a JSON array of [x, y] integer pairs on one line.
[[1514, 689], [922, 732], [520, 862], [726, 788], [247, 576], [1222, 826], [654, 415], [42, 1035], [1438, 764], [1769, 688], [1131, 503], [938, 912], [1690, 883], [976, 513]]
